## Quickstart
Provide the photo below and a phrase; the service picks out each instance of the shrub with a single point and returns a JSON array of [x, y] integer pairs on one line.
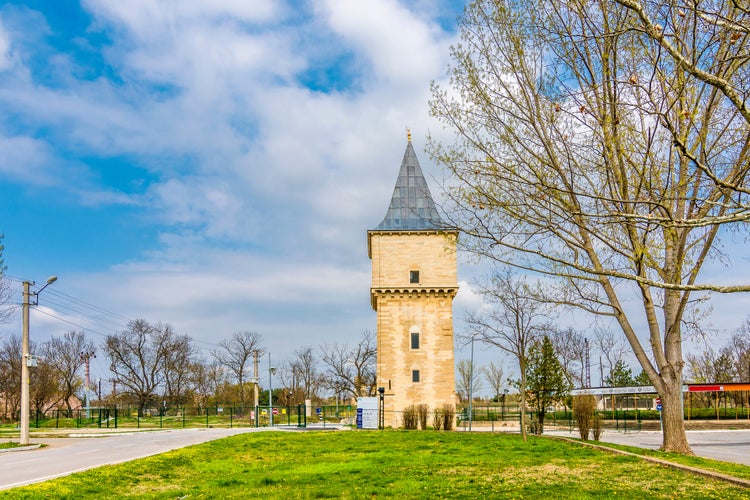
[[437, 419], [449, 413], [596, 427], [583, 409], [422, 411], [410, 417]]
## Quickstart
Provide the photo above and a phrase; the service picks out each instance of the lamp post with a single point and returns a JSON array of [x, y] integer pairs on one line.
[[25, 356], [505, 395], [471, 383], [271, 371], [381, 412]]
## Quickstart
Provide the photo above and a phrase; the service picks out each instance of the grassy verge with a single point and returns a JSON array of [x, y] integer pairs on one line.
[[393, 464], [730, 469]]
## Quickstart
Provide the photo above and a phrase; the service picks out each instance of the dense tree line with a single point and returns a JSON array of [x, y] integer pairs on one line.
[[153, 367]]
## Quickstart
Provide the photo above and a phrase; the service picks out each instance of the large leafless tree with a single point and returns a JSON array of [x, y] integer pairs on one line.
[[303, 376], [178, 362], [237, 353], [512, 320], [468, 380], [571, 348], [10, 375], [493, 374], [605, 144], [138, 357], [66, 355], [7, 306], [351, 369]]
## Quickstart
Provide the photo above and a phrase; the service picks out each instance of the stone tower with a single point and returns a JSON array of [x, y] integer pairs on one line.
[[414, 280]]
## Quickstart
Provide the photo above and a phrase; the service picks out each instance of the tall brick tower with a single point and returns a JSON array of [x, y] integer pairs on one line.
[[414, 280]]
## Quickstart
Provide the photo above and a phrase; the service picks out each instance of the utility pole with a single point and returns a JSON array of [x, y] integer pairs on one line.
[[255, 388], [271, 371], [24, 439], [86, 356], [26, 358], [587, 363]]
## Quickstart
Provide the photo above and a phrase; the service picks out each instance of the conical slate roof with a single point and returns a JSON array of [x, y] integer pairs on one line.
[[412, 207]]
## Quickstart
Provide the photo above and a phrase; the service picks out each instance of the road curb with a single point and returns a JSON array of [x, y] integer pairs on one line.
[[21, 448], [687, 468]]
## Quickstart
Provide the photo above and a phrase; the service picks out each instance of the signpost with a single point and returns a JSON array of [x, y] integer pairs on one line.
[[659, 408]]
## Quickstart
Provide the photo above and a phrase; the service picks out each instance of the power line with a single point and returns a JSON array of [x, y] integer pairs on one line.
[[94, 317]]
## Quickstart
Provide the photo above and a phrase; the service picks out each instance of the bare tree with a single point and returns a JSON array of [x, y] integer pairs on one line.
[[303, 375], [137, 360], [205, 378], [738, 349], [10, 375], [6, 292], [43, 386], [65, 355], [605, 145], [494, 374], [178, 358], [512, 321], [236, 354], [611, 347], [570, 347], [468, 380], [351, 369]]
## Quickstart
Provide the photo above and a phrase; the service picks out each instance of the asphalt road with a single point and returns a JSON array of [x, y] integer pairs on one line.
[[63, 456], [725, 445]]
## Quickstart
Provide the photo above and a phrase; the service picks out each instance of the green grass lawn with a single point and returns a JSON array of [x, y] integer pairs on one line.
[[395, 464]]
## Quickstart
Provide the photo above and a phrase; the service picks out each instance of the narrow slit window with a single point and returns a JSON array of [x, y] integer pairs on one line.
[[415, 375], [415, 340], [413, 276]]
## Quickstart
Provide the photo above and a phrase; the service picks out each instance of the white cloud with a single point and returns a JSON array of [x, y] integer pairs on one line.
[[261, 188], [401, 47], [28, 160], [5, 53]]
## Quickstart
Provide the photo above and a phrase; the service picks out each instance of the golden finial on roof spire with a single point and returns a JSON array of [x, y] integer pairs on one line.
[[408, 134]]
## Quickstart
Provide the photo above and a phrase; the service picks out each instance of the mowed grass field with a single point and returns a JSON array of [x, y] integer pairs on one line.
[[387, 464]]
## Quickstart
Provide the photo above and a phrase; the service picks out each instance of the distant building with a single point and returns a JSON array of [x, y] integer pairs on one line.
[[414, 281]]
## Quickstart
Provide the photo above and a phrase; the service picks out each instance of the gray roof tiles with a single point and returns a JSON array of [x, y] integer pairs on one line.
[[412, 207]]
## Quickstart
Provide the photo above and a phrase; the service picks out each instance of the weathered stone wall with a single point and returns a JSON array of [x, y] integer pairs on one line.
[[404, 308]]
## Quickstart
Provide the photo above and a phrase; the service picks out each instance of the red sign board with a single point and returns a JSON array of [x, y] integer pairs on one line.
[[275, 411], [705, 388]]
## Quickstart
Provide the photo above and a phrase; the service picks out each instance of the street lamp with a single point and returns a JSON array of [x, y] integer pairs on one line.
[[381, 413], [26, 359], [505, 395], [271, 371], [471, 383]]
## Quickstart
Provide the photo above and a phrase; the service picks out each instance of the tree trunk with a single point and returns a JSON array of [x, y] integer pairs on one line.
[[674, 436], [522, 398]]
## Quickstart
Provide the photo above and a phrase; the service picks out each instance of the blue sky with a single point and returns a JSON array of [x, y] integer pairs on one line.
[[213, 165]]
